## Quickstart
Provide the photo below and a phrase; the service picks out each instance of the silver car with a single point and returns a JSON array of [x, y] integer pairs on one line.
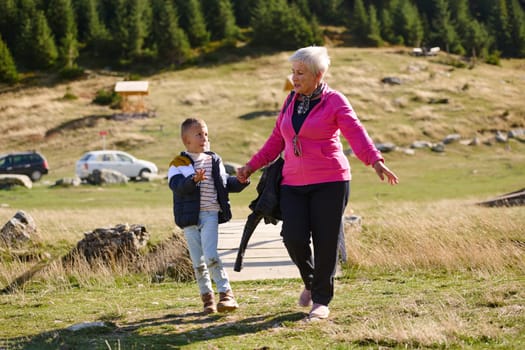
[[119, 161]]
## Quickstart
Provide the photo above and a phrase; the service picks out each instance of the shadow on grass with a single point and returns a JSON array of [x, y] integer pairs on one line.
[[171, 330], [259, 114]]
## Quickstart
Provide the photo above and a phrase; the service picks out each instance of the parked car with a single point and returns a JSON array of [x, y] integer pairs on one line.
[[31, 163], [119, 161]]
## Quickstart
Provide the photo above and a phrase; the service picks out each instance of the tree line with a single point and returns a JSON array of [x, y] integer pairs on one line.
[[57, 34]]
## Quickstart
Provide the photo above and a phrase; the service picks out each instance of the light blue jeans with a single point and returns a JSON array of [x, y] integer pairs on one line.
[[202, 242]]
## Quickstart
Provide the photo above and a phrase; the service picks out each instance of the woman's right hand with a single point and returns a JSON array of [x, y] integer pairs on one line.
[[244, 173]]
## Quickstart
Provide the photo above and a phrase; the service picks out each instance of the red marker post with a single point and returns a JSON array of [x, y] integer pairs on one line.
[[103, 134]]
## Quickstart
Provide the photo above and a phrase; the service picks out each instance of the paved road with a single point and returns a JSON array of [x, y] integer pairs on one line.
[[264, 258]]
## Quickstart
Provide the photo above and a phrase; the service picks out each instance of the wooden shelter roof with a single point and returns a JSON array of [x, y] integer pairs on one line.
[[132, 87]]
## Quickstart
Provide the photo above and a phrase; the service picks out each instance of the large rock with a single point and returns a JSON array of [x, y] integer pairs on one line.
[[19, 230], [10, 180], [421, 144], [386, 147], [68, 182], [122, 242], [106, 176], [451, 138]]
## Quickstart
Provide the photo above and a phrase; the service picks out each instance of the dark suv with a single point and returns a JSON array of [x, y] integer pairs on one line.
[[32, 164]]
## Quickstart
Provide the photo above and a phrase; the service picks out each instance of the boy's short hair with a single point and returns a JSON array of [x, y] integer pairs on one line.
[[188, 123]]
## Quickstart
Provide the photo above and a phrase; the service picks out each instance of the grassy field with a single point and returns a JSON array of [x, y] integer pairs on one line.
[[429, 269]]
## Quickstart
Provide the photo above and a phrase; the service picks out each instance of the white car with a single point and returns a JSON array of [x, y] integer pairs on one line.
[[119, 161]]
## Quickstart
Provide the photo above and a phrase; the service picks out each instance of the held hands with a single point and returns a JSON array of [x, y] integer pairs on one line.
[[382, 171], [244, 173], [199, 175]]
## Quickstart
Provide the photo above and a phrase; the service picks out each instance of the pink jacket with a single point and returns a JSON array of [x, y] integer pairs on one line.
[[322, 158]]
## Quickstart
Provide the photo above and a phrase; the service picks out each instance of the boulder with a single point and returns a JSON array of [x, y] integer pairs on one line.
[[438, 147], [19, 230], [421, 144], [106, 176], [120, 243], [501, 137], [516, 133], [391, 80], [68, 182], [386, 147], [451, 138], [10, 180]]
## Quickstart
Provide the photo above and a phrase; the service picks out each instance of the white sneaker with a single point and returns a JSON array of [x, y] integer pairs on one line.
[[318, 312]]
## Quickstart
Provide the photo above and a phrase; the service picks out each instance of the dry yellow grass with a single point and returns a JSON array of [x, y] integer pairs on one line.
[[448, 235]]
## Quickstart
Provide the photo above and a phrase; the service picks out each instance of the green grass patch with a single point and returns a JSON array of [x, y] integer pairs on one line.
[[371, 309]]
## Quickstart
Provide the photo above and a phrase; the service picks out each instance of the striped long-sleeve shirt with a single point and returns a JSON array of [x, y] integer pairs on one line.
[[187, 194], [208, 191]]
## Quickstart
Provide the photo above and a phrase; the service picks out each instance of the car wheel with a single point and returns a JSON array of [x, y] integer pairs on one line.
[[36, 175], [144, 173]]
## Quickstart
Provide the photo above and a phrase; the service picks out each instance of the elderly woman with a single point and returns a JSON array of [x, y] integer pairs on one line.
[[316, 173]]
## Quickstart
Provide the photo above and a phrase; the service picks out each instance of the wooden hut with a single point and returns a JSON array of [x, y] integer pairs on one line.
[[132, 93]]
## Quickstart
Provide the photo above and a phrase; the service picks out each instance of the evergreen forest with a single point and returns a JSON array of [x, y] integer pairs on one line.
[[67, 36]]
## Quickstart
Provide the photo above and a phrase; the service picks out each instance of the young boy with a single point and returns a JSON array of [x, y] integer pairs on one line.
[[200, 188]]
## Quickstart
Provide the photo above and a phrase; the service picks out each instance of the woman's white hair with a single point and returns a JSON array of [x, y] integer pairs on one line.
[[315, 57]]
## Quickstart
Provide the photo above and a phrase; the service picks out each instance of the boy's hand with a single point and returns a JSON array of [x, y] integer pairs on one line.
[[244, 173], [199, 175]]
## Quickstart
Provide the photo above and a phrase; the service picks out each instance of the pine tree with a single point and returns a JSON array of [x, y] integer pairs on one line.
[[220, 20], [37, 45], [477, 39], [8, 22], [131, 29], [304, 9], [172, 43], [330, 12], [444, 33], [461, 18], [373, 30], [500, 25], [279, 26], [25, 14], [8, 72], [243, 10], [62, 22], [517, 24], [226, 22], [414, 33], [90, 27], [358, 23], [68, 50], [61, 19], [387, 27], [407, 27], [192, 22]]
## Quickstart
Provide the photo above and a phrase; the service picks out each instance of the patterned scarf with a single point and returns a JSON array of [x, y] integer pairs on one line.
[[304, 105]]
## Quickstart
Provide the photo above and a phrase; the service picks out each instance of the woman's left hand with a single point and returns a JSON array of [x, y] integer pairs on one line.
[[382, 171]]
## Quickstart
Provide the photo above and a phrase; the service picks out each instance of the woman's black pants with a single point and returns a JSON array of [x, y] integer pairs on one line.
[[314, 212]]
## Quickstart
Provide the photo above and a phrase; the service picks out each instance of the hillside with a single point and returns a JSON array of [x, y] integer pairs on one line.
[[426, 269], [239, 100]]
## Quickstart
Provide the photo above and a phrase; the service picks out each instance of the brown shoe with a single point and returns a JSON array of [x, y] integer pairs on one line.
[[227, 302], [208, 300], [305, 299]]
